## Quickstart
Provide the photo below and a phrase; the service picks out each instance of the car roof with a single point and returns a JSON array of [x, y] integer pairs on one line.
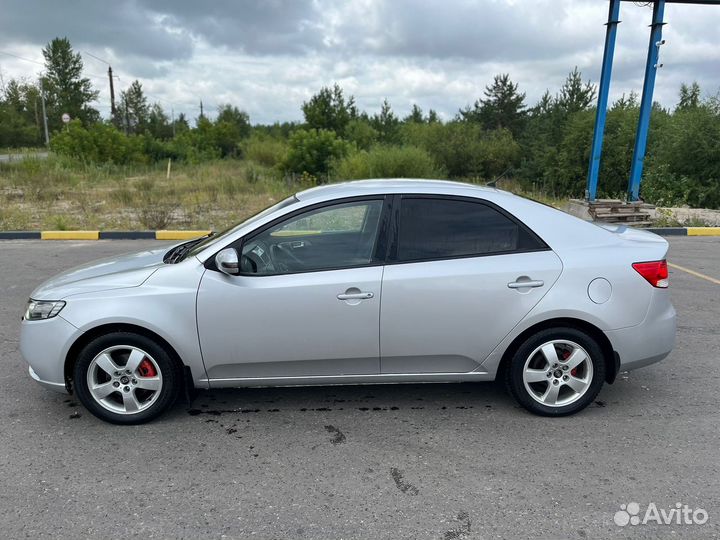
[[389, 185]]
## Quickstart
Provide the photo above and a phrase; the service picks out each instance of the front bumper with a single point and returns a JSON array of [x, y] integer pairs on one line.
[[44, 345], [56, 387]]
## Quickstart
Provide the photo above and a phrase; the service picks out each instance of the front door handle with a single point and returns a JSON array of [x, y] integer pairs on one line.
[[355, 296], [524, 284]]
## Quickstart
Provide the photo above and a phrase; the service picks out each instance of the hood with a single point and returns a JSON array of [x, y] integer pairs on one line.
[[111, 273]]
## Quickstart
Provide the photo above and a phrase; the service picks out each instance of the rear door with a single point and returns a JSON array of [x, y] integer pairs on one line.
[[461, 274]]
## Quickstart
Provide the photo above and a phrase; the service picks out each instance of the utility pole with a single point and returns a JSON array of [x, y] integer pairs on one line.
[[127, 114], [201, 110], [44, 114], [112, 93], [112, 86]]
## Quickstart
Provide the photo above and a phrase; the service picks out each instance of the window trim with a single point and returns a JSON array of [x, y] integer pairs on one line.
[[379, 254], [394, 242]]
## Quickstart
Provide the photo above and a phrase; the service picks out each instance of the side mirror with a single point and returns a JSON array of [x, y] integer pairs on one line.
[[227, 262]]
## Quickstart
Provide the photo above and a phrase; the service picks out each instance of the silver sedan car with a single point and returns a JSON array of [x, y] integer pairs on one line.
[[383, 281]]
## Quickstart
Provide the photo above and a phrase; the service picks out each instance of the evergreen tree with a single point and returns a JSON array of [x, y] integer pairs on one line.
[[181, 124], [502, 108], [544, 106], [158, 123], [415, 116], [386, 123], [328, 109], [133, 110], [575, 95], [689, 96]]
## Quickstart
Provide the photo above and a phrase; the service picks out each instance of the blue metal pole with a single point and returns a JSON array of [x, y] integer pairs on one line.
[[601, 115], [651, 68]]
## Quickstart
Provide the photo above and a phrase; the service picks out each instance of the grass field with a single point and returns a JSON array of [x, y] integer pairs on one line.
[[61, 194], [58, 194]]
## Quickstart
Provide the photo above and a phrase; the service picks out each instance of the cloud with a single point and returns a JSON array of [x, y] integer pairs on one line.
[[254, 27], [269, 56], [123, 27]]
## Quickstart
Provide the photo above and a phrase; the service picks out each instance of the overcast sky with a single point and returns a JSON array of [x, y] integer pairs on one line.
[[268, 56]]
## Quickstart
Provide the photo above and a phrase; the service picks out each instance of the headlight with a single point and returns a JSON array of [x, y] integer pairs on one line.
[[42, 309]]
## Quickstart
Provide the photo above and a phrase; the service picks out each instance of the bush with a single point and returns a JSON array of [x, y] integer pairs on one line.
[[265, 151], [464, 149], [684, 166], [194, 146], [100, 143], [312, 151], [387, 162], [361, 133]]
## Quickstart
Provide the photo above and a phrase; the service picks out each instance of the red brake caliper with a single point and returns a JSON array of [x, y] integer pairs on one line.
[[147, 369], [566, 355]]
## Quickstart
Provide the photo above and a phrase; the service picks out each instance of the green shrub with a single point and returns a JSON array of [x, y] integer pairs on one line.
[[464, 149], [361, 133], [312, 151], [387, 162], [100, 143], [266, 151], [195, 145]]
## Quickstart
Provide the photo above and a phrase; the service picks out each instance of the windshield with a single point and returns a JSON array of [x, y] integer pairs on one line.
[[210, 240]]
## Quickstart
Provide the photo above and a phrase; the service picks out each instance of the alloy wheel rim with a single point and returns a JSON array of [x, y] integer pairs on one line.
[[124, 379], [558, 373]]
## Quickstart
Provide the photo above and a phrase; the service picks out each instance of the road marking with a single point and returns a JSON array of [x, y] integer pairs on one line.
[[694, 273]]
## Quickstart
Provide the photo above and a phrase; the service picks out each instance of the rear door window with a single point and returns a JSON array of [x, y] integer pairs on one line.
[[442, 228]]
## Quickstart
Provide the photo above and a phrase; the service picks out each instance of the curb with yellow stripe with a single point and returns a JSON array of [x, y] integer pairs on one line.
[[101, 235], [703, 231], [189, 235]]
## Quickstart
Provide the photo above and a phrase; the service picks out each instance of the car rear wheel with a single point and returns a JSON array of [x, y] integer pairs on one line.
[[556, 372], [126, 378]]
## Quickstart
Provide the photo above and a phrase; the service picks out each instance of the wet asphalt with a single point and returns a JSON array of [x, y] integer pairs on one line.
[[455, 461]]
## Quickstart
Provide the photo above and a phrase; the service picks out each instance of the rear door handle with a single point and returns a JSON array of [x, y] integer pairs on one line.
[[524, 284], [355, 296]]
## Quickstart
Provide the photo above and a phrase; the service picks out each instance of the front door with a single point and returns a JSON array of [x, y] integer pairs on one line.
[[307, 302]]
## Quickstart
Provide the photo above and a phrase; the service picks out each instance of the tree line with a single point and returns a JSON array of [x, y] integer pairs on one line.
[[545, 147]]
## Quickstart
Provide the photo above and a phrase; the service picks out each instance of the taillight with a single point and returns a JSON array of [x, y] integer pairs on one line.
[[655, 272]]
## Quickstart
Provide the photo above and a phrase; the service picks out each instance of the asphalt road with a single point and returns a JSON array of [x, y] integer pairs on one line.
[[414, 461]]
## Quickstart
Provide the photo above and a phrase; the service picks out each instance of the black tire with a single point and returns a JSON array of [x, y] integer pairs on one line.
[[170, 372], [514, 372]]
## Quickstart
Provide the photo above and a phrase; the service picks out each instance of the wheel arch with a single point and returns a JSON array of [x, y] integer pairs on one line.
[[89, 335], [610, 357]]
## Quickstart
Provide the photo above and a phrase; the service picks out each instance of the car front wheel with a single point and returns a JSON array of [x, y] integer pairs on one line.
[[556, 372], [126, 378]]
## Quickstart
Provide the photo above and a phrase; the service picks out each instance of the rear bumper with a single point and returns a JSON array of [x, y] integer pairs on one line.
[[650, 341]]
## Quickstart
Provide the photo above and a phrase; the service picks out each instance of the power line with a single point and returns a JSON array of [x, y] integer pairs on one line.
[[97, 58], [21, 58], [42, 64]]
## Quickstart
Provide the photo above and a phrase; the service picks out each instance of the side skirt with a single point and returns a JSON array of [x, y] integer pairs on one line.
[[382, 378]]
